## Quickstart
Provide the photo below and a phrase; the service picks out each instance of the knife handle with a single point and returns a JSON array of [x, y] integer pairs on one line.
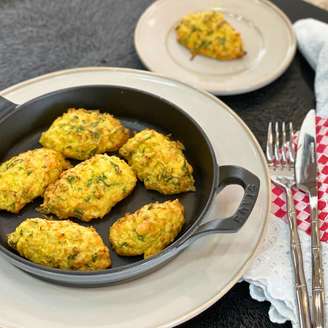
[[302, 295], [318, 300], [318, 292]]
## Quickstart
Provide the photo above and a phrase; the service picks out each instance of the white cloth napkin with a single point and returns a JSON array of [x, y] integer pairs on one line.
[[312, 38], [271, 277]]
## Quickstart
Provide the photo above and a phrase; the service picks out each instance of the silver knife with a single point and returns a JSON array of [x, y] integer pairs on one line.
[[306, 174]]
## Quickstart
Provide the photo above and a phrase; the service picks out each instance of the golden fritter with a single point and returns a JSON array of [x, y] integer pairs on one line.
[[159, 162], [209, 34], [148, 230], [60, 244], [26, 176], [90, 189], [82, 133]]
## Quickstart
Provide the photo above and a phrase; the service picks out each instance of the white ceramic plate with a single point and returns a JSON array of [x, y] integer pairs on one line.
[[267, 33], [190, 283]]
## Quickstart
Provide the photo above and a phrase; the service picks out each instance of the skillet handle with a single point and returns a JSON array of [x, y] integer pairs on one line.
[[6, 107], [229, 175]]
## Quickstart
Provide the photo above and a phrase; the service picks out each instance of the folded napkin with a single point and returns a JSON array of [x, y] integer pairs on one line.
[[312, 38], [271, 277]]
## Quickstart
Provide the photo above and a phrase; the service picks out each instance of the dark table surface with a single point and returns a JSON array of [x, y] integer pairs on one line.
[[41, 36]]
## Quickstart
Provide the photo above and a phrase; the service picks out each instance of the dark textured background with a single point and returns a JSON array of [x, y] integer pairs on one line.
[[41, 36]]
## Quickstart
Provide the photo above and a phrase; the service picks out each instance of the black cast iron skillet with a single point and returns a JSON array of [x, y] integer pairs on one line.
[[20, 129]]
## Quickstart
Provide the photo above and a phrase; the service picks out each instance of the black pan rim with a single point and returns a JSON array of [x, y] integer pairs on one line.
[[142, 263]]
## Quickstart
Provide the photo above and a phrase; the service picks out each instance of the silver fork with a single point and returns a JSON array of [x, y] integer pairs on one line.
[[280, 152]]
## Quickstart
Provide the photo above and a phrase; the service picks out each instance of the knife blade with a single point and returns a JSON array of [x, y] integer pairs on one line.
[[306, 180]]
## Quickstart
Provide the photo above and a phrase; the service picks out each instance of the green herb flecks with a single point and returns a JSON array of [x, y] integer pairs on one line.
[[203, 45], [222, 41], [94, 124], [116, 167], [89, 182], [96, 134], [147, 138], [13, 162], [78, 212], [140, 237], [103, 179], [93, 152], [72, 257], [79, 128], [72, 179]]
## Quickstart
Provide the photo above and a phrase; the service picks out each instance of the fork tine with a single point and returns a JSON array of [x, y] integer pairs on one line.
[[291, 148], [269, 145], [277, 145], [283, 146]]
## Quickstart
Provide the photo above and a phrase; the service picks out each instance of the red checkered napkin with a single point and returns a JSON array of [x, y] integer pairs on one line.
[[301, 200]]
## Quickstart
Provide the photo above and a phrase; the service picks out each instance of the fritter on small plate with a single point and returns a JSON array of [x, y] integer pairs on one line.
[[148, 230], [209, 34], [159, 162], [82, 133], [26, 176], [60, 244], [90, 189]]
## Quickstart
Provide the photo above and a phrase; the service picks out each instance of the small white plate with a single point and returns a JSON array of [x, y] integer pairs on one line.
[[267, 34], [190, 283]]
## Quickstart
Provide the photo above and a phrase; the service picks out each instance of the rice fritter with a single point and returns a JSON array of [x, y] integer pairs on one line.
[[90, 189], [209, 34], [26, 176], [148, 230], [60, 244], [159, 162], [81, 133]]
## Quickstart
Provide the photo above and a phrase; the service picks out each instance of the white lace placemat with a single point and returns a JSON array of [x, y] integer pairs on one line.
[[271, 277]]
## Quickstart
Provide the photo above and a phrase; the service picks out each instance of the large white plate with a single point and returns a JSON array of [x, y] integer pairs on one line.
[[267, 33], [187, 285]]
